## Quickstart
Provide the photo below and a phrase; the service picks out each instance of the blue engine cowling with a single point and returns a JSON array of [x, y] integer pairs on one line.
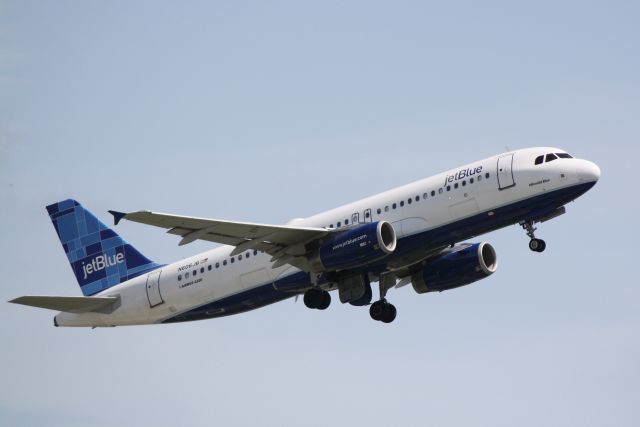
[[355, 247], [462, 265]]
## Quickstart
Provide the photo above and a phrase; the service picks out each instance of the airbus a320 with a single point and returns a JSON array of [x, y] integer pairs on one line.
[[415, 234]]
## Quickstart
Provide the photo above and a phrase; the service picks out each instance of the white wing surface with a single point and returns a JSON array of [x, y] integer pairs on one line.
[[286, 244]]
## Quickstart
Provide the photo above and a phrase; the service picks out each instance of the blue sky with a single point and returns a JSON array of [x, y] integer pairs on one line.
[[265, 111]]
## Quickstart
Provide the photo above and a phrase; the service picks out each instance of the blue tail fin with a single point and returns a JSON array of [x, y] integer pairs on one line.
[[99, 257]]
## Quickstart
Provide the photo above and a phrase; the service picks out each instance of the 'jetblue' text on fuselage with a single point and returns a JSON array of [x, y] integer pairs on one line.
[[464, 173]]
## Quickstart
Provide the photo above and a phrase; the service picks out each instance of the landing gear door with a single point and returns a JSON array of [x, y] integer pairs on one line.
[[505, 172], [153, 289]]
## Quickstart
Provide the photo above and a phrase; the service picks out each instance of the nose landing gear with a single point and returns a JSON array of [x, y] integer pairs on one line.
[[536, 245]]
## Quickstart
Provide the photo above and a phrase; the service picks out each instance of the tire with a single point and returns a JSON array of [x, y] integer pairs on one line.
[[376, 311], [325, 301], [543, 246], [389, 313], [309, 299], [534, 245]]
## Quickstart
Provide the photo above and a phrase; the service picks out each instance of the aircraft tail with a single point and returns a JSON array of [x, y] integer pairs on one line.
[[99, 257]]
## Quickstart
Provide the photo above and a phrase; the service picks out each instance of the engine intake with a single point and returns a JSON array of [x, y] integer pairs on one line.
[[355, 247], [463, 265]]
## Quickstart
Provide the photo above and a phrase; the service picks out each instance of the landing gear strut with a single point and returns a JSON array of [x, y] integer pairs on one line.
[[317, 298], [536, 245], [383, 310]]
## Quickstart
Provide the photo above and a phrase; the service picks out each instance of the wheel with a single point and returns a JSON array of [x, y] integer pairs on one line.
[[389, 313], [543, 246], [313, 298], [376, 311], [537, 245], [325, 302]]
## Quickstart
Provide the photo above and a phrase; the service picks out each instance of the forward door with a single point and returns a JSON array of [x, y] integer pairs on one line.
[[505, 172]]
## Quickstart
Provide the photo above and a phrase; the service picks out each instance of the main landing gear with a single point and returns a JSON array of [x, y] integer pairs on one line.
[[536, 245], [383, 310], [317, 298]]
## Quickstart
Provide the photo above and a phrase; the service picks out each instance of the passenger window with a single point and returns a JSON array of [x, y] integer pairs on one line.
[[486, 175], [386, 208], [186, 275], [255, 252], [393, 206], [539, 159], [248, 254], [179, 277], [464, 182], [209, 267], [338, 224], [470, 180], [401, 203], [409, 201], [379, 211], [448, 188], [224, 262], [433, 193], [440, 191], [217, 265], [239, 257], [455, 185], [418, 198], [367, 214], [232, 260], [330, 225], [346, 222], [479, 178], [195, 272], [202, 270], [424, 196]]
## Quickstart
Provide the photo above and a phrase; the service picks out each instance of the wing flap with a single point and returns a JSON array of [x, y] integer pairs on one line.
[[68, 304]]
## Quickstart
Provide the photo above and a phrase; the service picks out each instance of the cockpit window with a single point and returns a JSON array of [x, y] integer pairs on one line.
[[539, 159], [564, 155], [550, 157]]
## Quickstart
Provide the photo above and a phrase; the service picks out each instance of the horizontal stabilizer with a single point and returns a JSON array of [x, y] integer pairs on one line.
[[69, 304]]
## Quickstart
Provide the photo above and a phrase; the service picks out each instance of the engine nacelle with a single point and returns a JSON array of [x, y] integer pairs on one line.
[[355, 247], [463, 265]]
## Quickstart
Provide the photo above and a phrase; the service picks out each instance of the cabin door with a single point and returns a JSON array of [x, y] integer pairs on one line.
[[505, 172], [153, 289]]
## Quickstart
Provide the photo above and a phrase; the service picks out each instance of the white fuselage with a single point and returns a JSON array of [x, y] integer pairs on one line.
[[477, 190]]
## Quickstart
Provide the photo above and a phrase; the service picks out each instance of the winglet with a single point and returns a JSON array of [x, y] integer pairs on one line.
[[117, 216]]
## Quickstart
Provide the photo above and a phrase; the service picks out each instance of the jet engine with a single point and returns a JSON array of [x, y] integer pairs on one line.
[[460, 266], [354, 247]]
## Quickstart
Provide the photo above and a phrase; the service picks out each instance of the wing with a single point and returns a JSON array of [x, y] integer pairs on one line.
[[286, 244]]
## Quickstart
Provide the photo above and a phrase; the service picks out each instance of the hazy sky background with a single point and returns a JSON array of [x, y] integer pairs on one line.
[[265, 111]]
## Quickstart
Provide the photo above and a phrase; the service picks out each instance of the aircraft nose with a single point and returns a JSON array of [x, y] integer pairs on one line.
[[589, 171]]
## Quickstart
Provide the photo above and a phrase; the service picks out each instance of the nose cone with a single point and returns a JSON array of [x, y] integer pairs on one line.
[[588, 171]]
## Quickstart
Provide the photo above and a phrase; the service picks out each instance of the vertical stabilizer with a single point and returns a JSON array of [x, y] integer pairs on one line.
[[99, 257]]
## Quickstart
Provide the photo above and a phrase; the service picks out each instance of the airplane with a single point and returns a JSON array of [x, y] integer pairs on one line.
[[414, 234]]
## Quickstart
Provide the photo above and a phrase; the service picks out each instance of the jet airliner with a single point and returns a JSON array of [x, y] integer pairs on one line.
[[411, 235]]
